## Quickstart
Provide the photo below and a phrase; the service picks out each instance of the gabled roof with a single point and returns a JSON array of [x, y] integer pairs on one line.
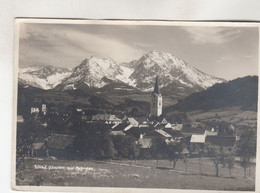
[[113, 118], [177, 127], [197, 125], [105, 117], [210, 133], [133, 122], [117, 133], [168, 125], [198, 139], [189, 130], [221, 140], [60, 141], [173, 133], [120, 127], [163, 133], [20, 119]]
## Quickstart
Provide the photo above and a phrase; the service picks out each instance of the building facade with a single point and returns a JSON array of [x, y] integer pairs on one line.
[[156, 101]]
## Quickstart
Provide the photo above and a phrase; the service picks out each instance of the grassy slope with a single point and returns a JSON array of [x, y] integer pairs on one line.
[[140, 174]]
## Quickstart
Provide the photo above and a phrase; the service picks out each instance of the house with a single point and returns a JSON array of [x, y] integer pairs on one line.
[[211, 133], [227, 143], [35, 110], [118, 129], [177, 127], [107, 118], [196, 124], [116, 132], [38, 149], [163, 120], [59, 145], [168, 126], [44, 109], [177, 136], [20, 119], [133, 122], [188, 131], [163, 133], [197, 142]]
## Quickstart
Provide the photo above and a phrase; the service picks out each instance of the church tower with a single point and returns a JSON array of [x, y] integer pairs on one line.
[[156, 101]]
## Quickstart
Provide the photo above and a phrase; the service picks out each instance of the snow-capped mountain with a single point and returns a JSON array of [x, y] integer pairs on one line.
[[95, 73], [174, 74], [45, 77]]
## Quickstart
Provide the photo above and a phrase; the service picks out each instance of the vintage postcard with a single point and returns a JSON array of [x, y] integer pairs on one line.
[[135, 106]]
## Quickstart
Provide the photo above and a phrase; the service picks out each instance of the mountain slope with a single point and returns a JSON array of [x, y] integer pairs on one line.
[[241, 92], [91, 72], [175, 74], [45, 77], [100, 75], [176, 77]]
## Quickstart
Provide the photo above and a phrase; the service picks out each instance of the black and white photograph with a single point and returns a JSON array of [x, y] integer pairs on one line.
[[135, 104]]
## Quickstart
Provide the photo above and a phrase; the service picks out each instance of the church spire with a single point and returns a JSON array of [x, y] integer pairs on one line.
[[156, 86], [156, 100]]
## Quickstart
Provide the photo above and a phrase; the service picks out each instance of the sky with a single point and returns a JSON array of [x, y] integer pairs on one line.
[[225, 52]]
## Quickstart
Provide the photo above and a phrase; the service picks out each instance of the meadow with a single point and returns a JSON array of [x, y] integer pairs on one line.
[[133, 173], [229, 114]]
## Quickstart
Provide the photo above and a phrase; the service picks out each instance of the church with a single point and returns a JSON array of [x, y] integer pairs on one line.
[[156, 101]]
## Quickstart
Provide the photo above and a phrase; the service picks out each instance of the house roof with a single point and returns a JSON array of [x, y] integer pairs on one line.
[[113, 118], [210, 133], [163, 133], [120, 127], [177, 127], [133, 122], [105, 117], [197, 125], [197, 138], [189, 130], [168, 125], [173, 133], [20, 119], [60, 141], [162, 119], [221, 140], [117, 133]]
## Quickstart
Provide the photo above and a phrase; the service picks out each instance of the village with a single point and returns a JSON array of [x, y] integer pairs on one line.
[[77, 134]]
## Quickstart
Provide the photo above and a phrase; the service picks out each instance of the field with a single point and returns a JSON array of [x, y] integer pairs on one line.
[[138, 174], [230, 114]]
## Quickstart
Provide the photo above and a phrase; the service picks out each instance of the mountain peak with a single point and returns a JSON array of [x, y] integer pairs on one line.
[[157, 54], [92, 71], [45, 77], [172, 72], [176, 76]]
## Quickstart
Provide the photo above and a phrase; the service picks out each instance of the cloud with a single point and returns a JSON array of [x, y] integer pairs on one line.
[[67, 46], [211, 35]]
